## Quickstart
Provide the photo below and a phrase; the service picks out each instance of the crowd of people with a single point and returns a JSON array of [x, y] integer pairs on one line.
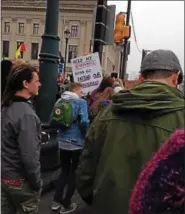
[[122, 149]]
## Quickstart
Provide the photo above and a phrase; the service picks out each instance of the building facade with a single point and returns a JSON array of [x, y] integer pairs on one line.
[[24, 21]]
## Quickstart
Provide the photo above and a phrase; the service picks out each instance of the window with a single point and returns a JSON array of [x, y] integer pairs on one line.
[[35, 29], [74, 31], [18, 45], [7, 27], [34, 50], [72, 53], [21, 28], [5, 48]]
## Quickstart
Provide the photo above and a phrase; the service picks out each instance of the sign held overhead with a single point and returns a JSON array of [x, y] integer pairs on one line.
[[87, 71]]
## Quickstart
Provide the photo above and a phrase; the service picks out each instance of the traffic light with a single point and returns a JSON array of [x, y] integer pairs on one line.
[[121, 31], [126, 32], [119, 28]]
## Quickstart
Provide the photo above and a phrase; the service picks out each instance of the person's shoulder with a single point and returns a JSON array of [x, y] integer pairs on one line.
[[26, 109], [82, 101], [21, 106], [79, 102], [18, 111]]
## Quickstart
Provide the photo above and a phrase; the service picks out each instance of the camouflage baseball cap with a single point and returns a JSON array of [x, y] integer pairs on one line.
[[162, 60]]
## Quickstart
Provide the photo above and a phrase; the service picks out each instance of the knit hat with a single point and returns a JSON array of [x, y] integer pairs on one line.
[[162, 60], [161, 186]]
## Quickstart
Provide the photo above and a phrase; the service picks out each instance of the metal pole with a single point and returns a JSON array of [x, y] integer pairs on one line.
[[125, 46], [90, 46], [48, 68], [100, 27], [65, 62], [98, 48], [121, 59]]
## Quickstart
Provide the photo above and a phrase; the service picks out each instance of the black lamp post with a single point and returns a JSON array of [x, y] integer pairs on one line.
[[49, 57], [67, 34], [48, 69]]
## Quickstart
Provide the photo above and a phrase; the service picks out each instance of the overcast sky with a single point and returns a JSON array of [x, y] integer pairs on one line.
[[158, 25]]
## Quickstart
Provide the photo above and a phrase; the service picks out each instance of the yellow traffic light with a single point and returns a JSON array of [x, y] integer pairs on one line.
[[121, 31], [119, 28], [126, 32]]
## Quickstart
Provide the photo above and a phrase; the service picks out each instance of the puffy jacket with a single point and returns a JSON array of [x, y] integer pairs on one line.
[[20, 143], [74, 135], [122, 139]]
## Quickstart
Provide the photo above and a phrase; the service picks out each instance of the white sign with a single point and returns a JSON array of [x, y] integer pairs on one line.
[[87, 71]]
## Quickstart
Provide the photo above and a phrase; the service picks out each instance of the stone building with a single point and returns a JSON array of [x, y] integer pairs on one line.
[[24, 21]]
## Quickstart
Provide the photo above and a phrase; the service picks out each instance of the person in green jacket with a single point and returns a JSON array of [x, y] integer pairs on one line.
[[126, 134]]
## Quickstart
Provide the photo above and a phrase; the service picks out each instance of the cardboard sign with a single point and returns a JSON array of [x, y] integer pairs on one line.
[[87, 71]]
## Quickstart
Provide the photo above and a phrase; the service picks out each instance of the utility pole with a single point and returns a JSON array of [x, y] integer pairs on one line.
[[100, 27], [126, 46], [103, 26]]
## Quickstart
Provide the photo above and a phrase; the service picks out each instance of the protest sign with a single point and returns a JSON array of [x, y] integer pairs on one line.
[[87, 71]]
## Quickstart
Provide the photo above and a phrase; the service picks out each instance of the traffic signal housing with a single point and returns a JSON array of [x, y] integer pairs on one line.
[[121, 31]]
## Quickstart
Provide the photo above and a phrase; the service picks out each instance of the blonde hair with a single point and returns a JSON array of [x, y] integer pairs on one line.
[[19, 62], [74, 86]]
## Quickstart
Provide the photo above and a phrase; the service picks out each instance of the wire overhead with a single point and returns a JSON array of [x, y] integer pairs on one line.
[[134, 32]]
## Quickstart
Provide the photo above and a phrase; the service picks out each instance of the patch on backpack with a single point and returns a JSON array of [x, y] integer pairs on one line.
[[57, 111]]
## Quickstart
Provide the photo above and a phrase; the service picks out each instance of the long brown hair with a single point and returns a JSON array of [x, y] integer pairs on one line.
[[6, 67], [15, 80], [106, 82]]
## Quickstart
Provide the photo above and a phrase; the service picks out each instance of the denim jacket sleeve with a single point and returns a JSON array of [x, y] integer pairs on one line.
[[84, 120]]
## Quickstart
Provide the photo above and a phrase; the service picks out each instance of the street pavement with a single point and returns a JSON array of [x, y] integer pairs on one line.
[[46, 199]]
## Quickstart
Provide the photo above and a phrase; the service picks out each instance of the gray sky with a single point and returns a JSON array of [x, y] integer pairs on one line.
[[158, 25]]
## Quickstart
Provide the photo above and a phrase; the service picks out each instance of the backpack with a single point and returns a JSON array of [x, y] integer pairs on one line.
[[62, 114]]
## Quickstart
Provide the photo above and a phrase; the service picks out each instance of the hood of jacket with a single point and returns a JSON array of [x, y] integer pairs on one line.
[[150, 99], [68, 95]]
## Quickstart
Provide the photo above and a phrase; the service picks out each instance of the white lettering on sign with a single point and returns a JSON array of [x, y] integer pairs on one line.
[[87, 71]]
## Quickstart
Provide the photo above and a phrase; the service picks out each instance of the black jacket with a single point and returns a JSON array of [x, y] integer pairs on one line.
[[20, 143]]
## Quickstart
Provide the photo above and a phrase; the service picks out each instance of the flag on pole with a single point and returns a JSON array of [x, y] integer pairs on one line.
[[20, 50]]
